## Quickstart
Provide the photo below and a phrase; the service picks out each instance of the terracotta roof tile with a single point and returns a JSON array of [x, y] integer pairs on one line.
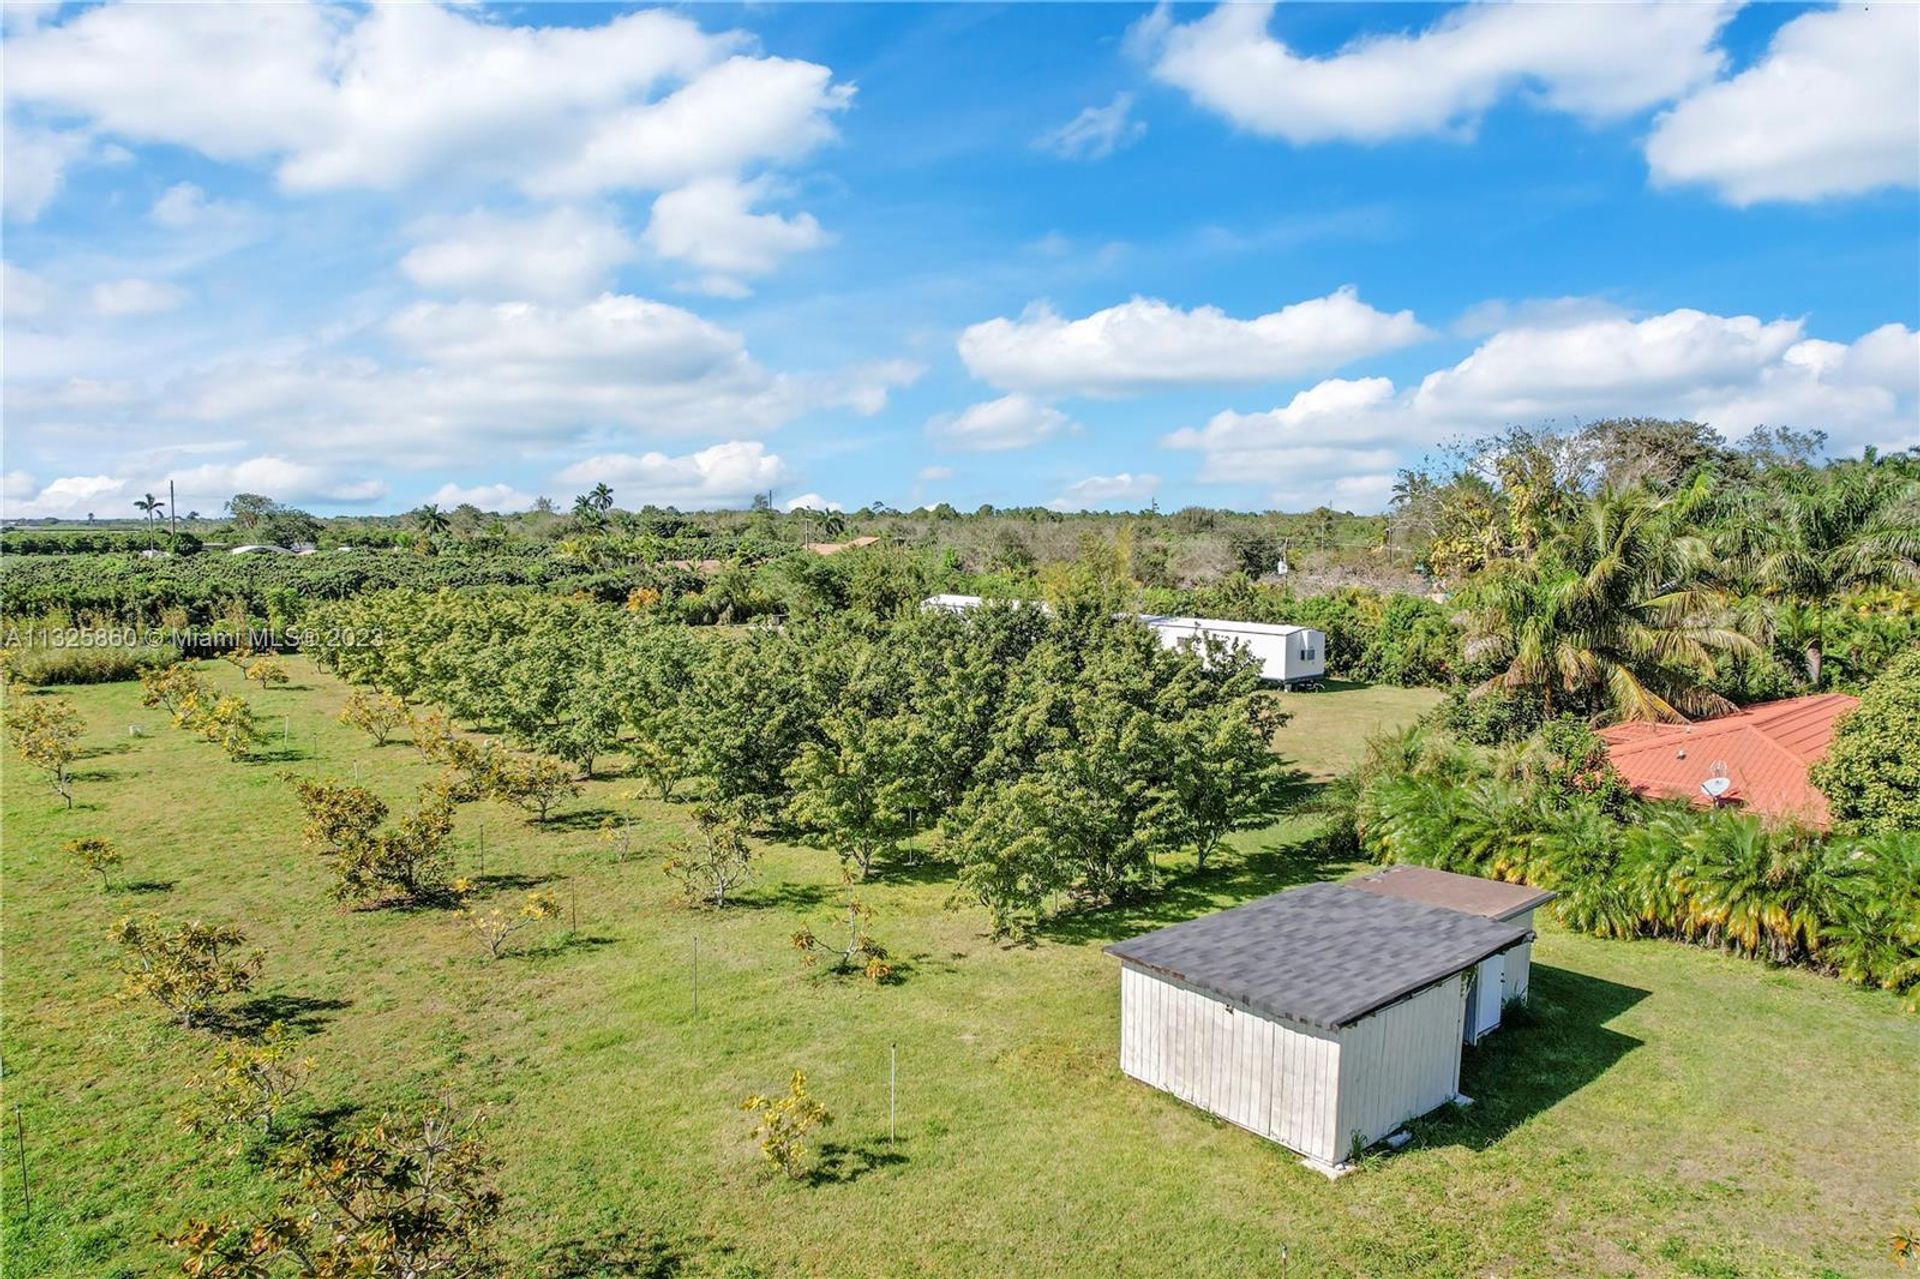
[[1765, 750]]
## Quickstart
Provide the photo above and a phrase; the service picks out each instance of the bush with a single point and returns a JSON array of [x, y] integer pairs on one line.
[[1871, 773], [44, 664]]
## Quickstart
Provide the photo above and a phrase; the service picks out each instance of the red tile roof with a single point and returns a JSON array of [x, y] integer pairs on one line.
[[1764, 751]]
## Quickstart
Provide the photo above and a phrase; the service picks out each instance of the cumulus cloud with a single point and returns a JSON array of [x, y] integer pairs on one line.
[[27, 294], [396, 95], [1596, 62], [135, 296], [721, 476], [931, 474], [1146, 344], [1010, 422], [488, 497], [37, 164], [202, 487], [1096, 133], [710, 223], [558, 255], [1828, 110], [1106, 491], [810, 502], [1734, 373], [185, 207]]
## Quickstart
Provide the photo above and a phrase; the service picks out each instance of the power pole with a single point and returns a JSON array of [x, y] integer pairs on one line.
[[173, 515]]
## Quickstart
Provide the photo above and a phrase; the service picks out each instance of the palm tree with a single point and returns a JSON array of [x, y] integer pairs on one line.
[[1617, 616], [601, 497], [431, 520], [150, 506], [1824, 535]]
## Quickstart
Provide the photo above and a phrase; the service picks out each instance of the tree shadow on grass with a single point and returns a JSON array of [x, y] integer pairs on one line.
[[789, 896], [575, 819], [251, 1019], [1543, 1052], [622, 1251], [118, 748], [144, 886], [564, 944], [508, 881], [286, 754], [88, 775], [843, 1162]]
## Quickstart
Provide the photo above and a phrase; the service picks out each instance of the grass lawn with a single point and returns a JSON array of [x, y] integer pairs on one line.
[[1660, 1111]]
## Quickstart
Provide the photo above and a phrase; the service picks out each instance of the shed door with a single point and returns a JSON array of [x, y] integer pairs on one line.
[[1486, 984]]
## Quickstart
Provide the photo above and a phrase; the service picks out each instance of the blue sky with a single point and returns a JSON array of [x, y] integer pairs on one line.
[[1085, 255]]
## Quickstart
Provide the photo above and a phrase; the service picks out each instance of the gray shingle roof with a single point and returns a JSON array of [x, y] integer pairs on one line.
[[1322, 954]]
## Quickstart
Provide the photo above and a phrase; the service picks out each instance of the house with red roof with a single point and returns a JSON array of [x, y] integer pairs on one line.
[[1756, 759]]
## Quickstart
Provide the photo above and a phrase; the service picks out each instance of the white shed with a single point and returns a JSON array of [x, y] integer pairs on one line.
[[1500, 979], [1288, 654], [1321, 1018]]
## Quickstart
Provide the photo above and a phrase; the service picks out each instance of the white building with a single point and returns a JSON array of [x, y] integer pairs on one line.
[[1322, 1018], [1500, 979], [1288, 654]]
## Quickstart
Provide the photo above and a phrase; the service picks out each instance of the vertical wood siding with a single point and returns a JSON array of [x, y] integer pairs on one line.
[[1274, 1077], [1400, 1062], [1519, 962]]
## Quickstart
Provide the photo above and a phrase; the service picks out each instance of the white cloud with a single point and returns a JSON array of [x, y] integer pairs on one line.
[[810, 502], [558, 255], [398, 95], [36, 166], [710, 223], [185, 207], [1828, 110], [26, 294], [1597, 62], [135, 296], [488, 497], [721, 476], [1010, 422], [1611, 366], [931, 474], [1106, 491], [1345, 438], [1096, 133], [201, 487], [1146, 344]]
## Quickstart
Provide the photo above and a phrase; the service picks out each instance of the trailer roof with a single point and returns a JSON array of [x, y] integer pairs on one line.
[[1224, 625], [1321, 954]]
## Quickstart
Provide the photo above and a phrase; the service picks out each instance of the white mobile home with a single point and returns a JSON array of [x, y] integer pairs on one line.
[[1321, 1018], [1500, 979], [1288, 654]]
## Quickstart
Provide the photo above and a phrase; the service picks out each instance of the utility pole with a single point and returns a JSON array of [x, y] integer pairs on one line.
[[173, 515]]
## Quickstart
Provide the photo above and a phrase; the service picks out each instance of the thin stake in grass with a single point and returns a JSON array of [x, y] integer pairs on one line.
[[20, 1148]]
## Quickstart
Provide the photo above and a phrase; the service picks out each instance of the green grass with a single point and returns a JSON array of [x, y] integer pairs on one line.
[[1661, 1111]]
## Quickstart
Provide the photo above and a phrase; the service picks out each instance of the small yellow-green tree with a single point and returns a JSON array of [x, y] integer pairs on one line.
[[855, 948], [376, 714], [535, 783], [187, 969], [170, 686], [95, 853], [46, 733], [717, 860], [784, 1124], [229, 724], [269, 672], [246, 1084], [494, 926]]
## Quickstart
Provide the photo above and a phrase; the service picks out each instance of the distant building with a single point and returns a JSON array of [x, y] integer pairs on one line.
[[834, 548], [1756, 759], [256, 548], [1288, 654]]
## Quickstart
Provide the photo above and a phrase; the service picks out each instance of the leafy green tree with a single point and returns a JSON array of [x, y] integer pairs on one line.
[[533, 783], [717, 860], [410, 1196], [431, 520], [374, 713], [188, 969], [338, 816], [1871, 773], [171, 686], [857, 791]]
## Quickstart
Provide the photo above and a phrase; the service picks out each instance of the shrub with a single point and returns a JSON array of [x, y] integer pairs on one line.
[[94, 854], [246, 1085], [785, 1123], [714, 862], [46, 733], [1871, 773], [377, 714], [493, 927], [856, 949], [187, 969]]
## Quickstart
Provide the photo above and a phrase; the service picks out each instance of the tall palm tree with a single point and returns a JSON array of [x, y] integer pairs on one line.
[[602, 497], [150, 506], [431, 520], [1823, 535], [1617, 616]]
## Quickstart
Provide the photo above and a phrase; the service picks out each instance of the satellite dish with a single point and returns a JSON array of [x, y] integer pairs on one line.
[[1715, 787]]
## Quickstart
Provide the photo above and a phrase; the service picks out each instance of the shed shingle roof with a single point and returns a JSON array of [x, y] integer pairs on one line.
[[1321, 954], [1767, 750], [1474, 895]]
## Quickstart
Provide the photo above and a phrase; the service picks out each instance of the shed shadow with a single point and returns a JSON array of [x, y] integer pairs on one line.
[[1543, 1053]]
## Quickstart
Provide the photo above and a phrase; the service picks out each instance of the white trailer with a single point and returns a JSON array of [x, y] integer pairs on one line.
[[1288, 654]]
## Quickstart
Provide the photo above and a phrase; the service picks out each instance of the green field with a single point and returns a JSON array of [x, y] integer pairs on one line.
[[1660, 1111]]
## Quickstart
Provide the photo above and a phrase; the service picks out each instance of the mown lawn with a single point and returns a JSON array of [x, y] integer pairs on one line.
[[1662, 1111]]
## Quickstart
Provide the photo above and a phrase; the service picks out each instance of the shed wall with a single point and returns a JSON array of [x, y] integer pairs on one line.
[[1519, 963], [1277, 1078], [1400, 1062]]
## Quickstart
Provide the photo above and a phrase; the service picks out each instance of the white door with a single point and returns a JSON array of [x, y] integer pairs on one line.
[[1483, 1012]]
